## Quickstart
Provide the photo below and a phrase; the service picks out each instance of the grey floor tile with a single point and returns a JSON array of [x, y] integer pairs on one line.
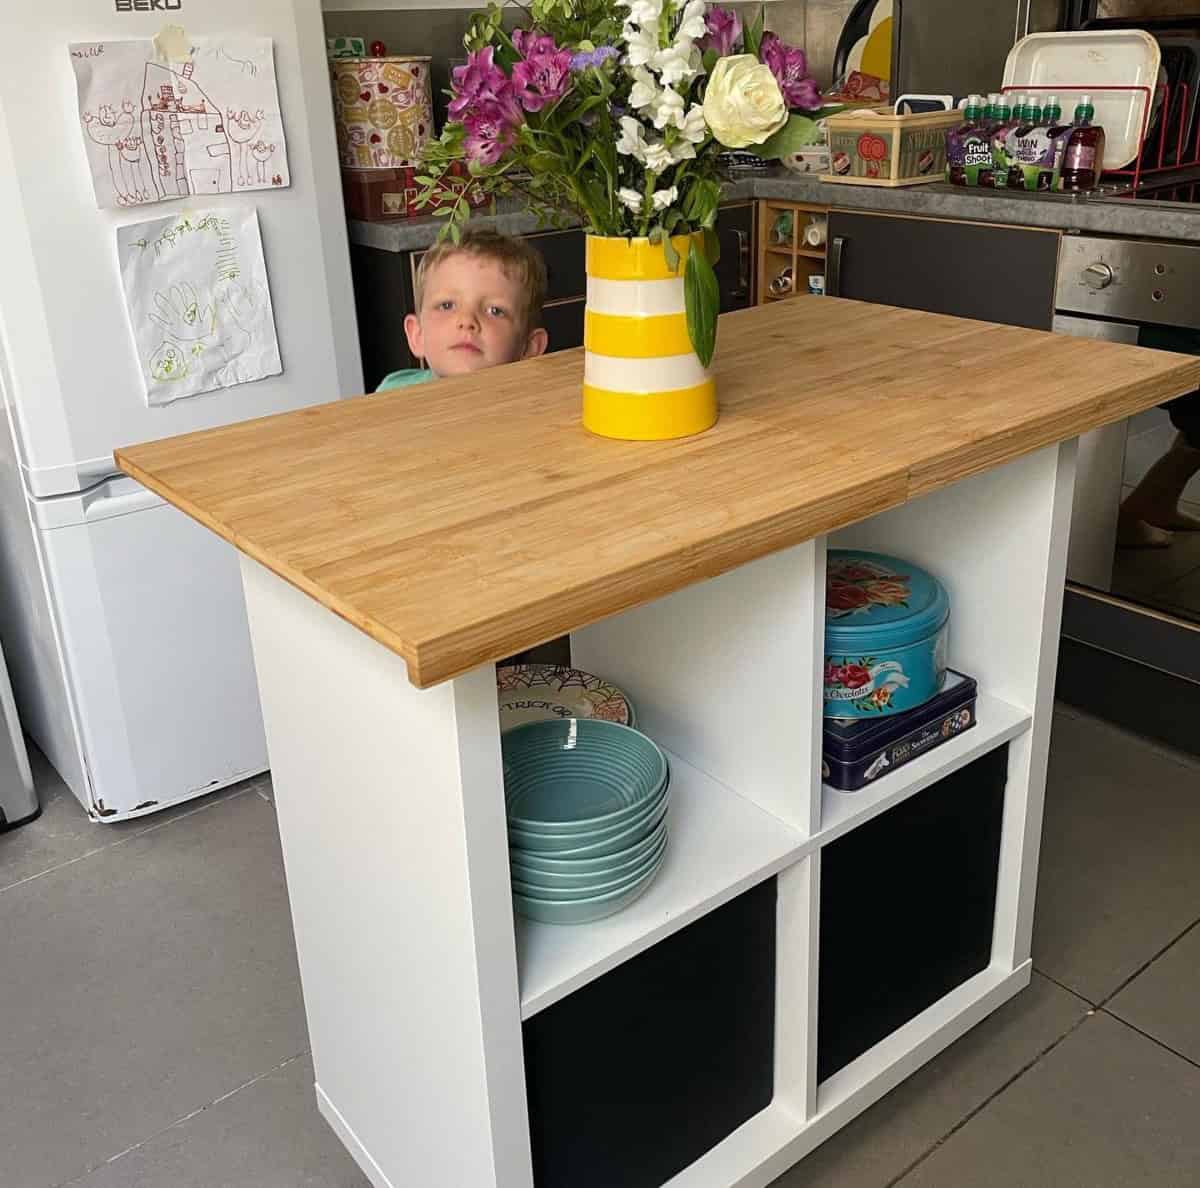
[[895, 1132], [64, 832], [1164, 1000], [1119, 880], [267, 1135], [1107, 1108], [140, 984]]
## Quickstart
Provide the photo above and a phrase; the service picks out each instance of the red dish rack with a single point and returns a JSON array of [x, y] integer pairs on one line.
[[1143, 171]]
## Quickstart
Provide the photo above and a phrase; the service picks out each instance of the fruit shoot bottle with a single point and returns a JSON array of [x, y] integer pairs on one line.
[[1083, 157]]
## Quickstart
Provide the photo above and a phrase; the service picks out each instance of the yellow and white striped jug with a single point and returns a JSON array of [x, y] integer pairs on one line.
[[642, 380]]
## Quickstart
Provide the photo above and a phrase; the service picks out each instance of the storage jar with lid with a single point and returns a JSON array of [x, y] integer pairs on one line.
[[886, 625]]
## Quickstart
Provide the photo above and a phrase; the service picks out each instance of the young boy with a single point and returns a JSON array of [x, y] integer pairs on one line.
[[479, 304]]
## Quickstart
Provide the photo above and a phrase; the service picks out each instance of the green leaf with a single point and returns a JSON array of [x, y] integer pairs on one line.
[[703, 301], [671, 254], [710, 59], [712, 246], [798, 133], [754, 32]]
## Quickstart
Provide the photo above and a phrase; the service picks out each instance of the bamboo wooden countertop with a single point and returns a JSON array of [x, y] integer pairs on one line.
[[463, 521]]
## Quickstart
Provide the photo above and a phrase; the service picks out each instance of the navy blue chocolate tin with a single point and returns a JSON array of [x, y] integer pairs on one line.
[[856, 753]]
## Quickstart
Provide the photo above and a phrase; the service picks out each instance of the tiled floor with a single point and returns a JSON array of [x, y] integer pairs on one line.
[[153, 1033]]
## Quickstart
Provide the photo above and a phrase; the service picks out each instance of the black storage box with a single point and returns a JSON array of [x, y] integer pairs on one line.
[[908, 903], [640, 1072]]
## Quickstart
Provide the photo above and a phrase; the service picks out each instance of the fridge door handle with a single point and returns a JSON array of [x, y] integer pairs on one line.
[[98, 504], [833, 266]]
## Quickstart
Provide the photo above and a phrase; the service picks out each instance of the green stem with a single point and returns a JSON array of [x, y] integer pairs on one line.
[[648, 203]]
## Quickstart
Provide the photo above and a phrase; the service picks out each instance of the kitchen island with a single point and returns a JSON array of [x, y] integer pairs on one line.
[[394, 547]]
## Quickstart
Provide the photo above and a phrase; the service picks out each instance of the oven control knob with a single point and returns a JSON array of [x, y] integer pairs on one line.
[[1098, 275]]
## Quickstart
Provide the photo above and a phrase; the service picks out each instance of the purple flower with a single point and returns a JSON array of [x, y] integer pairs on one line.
[[528, 42], [491, 127], [543, 76], [724, 31], [789, 65], [597, 57], [479, 81]]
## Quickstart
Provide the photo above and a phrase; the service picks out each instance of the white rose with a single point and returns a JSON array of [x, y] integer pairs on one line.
[[743, 104]]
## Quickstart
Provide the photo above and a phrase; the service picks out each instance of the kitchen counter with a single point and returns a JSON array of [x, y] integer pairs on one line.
[[1108, 216], [418, 520], [410, 538]]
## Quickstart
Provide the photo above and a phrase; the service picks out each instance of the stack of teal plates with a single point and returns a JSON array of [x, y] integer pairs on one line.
[[587, 817]]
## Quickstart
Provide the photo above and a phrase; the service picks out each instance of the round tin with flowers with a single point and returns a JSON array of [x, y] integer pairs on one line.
[[886, 624]]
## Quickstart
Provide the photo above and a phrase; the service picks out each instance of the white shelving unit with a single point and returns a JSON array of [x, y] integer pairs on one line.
[[416, 1001]]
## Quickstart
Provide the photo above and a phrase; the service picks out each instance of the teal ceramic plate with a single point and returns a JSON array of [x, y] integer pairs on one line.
[[575, 775], [534, 692], [600, 884], [553, 864], [595, 843], [581, 911]]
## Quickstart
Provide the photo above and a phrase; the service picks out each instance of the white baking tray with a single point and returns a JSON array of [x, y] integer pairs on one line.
[[1047, 62]]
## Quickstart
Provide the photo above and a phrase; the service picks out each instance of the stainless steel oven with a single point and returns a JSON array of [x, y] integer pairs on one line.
[[1133, 599]]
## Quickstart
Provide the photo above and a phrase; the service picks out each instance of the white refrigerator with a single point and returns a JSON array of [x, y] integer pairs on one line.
[[122, 620]]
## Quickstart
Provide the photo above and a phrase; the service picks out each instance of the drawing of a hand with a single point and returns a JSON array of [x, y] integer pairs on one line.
[[181, 315], [245, 306]]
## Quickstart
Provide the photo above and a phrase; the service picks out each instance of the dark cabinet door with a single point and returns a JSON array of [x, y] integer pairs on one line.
[[971, 270], [735, 269]]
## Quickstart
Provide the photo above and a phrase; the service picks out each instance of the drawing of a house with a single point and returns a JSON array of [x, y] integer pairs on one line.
[[183, 132]]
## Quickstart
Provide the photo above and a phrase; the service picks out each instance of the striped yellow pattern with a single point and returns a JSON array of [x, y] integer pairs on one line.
[[654, 416], [642, 379], [634, 259], [636, 338]]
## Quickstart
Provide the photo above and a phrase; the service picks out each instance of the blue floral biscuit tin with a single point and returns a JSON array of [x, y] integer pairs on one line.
[[885, 635]]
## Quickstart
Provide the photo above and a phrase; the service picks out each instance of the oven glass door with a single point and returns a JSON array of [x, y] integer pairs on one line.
[[1135, 528]]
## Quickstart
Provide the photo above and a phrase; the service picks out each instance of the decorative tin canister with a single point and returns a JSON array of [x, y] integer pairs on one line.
[[856, 751], [885, 635], [383, 110]]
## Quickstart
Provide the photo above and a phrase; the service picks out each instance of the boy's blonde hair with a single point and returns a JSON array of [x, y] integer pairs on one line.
[[519, 260]]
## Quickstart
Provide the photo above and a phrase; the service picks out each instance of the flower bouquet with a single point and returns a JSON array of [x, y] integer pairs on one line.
[[613, 113]]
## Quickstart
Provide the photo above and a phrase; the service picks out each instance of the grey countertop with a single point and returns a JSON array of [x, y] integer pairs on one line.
[[1110, 216]]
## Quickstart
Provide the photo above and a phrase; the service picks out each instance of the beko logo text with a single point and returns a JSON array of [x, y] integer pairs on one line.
[[149, 5]]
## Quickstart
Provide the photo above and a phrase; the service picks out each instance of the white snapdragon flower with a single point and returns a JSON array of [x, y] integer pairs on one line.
[[642, 45], [658, 157], [664, 198], [692, 25], [668, 109], [645, 91], [631, 199], [643, 12], [632, 142], [683, 150], [694, 126], [677, 63]]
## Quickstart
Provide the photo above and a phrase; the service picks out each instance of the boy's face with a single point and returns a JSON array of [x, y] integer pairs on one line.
[[472, 316]]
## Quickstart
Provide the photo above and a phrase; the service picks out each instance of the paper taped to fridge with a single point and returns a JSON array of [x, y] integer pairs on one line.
[[156, 128], [198, 302]]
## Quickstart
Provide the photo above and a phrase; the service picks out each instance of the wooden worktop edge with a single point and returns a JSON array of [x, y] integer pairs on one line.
[[365, 623]]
